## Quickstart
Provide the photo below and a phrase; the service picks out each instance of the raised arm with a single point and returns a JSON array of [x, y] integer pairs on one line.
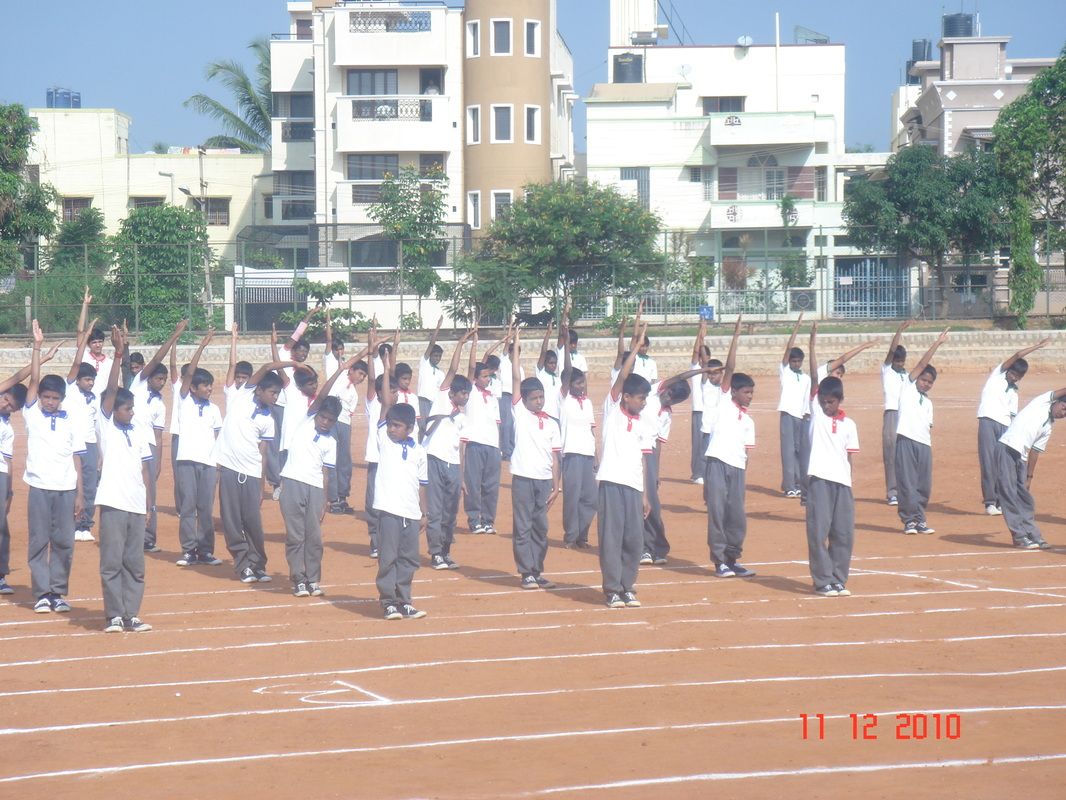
[[697, 346], [79, 353], [266, 368], [812, 358], [371, 377], [1023, 353], [298, 333], [627, 366], [107, 402], [231, 372], [791, 341], [323, 391], [923, 362], [453, 366], [187, 380], [895, 341], [544, 345], [394, 357], [24, 373], [844, 359], [35, 364], [621, 343], [516, 374], [433, 339], [731, 359], [472, 365], [564, 377], [86, 300], [276, 356], [329, 333], [388, 396]]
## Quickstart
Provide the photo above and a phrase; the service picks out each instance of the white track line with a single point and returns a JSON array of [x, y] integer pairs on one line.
[[530, 737]]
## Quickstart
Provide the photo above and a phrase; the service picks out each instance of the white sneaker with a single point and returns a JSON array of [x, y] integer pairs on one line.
[[993, 510], [698, 481], [277, 493], [83, 536]]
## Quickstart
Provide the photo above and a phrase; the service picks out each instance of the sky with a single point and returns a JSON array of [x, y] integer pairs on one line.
[[146, 58]]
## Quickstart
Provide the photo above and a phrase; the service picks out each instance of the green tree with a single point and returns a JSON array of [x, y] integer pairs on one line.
[[159, 270], [411, 211], [344, 323], [27, 209], [247, 123], [793, 267], [79, 256]]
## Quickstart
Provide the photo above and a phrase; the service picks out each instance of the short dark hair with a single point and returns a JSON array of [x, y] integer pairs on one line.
[[402, 412], [123, 397], [492, 362], [137, 358], [383, 349], [96, 335], [460, 383], [647, 341], [831, 387], [52, 383], [530, 385], [302, 343], [795, 352], [635, 384], [572, 336], [360, 365], [740, 380], [436, 349], [304, 376], [86, 371], [714, 362], [331, 405], [551, 354], [402, 369], [379, 384], [270, 381], [929, 370], [17, 394], [159, 369], [899, 353], [677, 393], [480, 367], [243, 368], [336, 344], [200, 377], [1020, 366], [575, 374]]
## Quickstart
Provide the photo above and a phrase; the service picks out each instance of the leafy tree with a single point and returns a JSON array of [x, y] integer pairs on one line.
[[793, 267], [79, 256], [27, 210], [247, 123], [343, 322]]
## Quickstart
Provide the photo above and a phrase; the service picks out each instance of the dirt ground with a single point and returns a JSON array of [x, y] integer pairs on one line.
[[501, 692]]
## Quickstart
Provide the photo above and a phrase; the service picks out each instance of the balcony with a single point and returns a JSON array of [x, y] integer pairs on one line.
[[394, 123], [727, 214], [749, 129], [293, 144], [291, 65], [381, 37]]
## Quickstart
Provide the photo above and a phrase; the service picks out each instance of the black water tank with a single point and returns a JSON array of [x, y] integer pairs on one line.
[[958, 26], [628, 68], [921, 50]]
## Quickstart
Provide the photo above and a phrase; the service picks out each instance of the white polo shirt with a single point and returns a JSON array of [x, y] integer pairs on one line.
[[199, 423], [999, 398], [348, 393], [149, 408], [443, 442], [891, 383], [175, 405], [656, 417], [646, 366], [696, 386], [915, 414], [505, 373], [410, 398], [832, 438], [402, 468], [102, 365], [713, 397], [733, 436], [125, 448], [536, 438], [429, 379], [1031, 429], [51, 443], [577, 421], [795, 392], [482, 418], [373, 414], [577, 361], [245, 426], [295, 412], [82, 410], [309, 452], [330, 364], [625, 440], [552, 392], [7, 445]]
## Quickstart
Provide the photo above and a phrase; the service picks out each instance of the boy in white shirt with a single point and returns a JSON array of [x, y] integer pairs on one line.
[[999, 405], [445, 425], [399, 498], [430, 376], [346, 390], [481, 454], [95, 357], [82, 404], [123, 500], [577, 422], [53, 473], [830, 505], [567, 344], [893, 376], [914, 444], [1019, 448], [622, 505], [701, 356], [645, 365], [506, 378], [716, 391], [376, 381], [547, 373], [794, 408], [196, 471], [534, 476]]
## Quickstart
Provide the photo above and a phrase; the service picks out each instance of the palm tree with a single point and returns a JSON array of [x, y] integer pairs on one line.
[[247, 126]]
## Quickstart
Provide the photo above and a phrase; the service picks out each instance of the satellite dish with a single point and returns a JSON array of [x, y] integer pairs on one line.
[[744, 41]]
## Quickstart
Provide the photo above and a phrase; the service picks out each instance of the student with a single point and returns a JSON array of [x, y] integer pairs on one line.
[[534, 476], [334, 355], [794, 408], [701, 356], [645, 365], [914, 444], [95, 357], [374, 392], [999, 405], [836, 367], [481, 455], [577, 422], [430, 376], [150, 418], [312, 453], [568, 339], [547, 374], [53, 473], [296, 349], [715, 390], [622, 506], [732, 437], [240, 453], [445, 425], [893, 376], [82, 404], [399, 497], [1019, 448], [346, 391], [123, 500], [298, 403], [505, 378], [196, 471], [238, 372]]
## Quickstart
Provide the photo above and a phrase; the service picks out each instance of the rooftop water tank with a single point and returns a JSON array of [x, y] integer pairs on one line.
[[958, 26], [628, 68]]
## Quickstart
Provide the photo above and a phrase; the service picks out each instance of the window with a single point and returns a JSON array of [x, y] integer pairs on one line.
[[501, 37], [298, 105], [431, 165], [821, 184], [763, 179], [372, 166], [294, 183], [473, 209], [473, 39], [218, 211], [533, 38], [297, 131], [820, 240], [303, 29], [502, 124], [146, 202], [74, 206], [775, 184], [501, 203], [532, 124], [705, 176], [642, 176], [722, 105], [268, 206], [473, 124], [372, 82]]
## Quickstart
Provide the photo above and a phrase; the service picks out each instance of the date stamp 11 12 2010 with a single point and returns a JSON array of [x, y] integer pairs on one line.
[[868, 727]]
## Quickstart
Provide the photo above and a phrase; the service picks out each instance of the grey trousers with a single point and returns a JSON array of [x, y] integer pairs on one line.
[[727, 524], [794, 433], [579, 497], [830, 531], [398, 559], [424, 408], [5, 532], [1019, 508], [174, 470], [529, 514], [51, 539], [914, 479], [239, 498], [272, 462], [150, 519], [506, 425], [888, 451], [988, 433], [196, 525], [301, 507], [442, 501], [368, 504], [121, 561], [655, 541], [90, 479], [340, 479], [619, 526], [482, 476], [697, 445]]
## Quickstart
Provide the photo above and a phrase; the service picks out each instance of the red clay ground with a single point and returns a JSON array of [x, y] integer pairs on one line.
[[506, 693]]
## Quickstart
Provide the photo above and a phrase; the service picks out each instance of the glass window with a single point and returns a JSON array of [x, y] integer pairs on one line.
[[532, 38], [473, 39], [501, 203], [775, 184], [268, 206], [431, 165], [501, 37], [473, 209], [722, 105], [303, 29], [821, 184], [473, 125], [145, 202], [218, 211], [642, 176], [74, 206], [302, 105], [501, 124], [294, 183], [532, 125], [372, 82], [372, 166], [373, 254]]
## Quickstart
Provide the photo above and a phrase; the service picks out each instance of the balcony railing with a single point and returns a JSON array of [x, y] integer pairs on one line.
[[392, 109], [390, 22], [298, 131]]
